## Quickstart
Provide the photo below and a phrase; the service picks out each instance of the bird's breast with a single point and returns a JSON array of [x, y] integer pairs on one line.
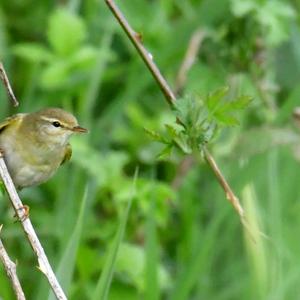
[[31, 164]]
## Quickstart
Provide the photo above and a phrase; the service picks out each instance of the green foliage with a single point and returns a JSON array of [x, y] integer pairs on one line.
[[182, 240], [66, 266], [274, 17], [66, 32], [104, 282], [154, 281], [198, 120], [67, 55], [2, 189]]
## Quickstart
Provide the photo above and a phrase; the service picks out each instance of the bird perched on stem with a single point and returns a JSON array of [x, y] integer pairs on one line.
[[36, 144]]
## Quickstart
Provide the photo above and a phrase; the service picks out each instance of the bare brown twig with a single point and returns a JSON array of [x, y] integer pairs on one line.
[[11, 271], [7, 85], [170, 97], [144, 53], [223, 182]]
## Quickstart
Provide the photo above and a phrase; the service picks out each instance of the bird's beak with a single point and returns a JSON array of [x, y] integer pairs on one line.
[[79, 129]]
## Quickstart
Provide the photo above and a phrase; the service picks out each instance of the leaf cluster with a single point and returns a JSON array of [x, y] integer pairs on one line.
[[80, 59], [198, 120], [67, 55]]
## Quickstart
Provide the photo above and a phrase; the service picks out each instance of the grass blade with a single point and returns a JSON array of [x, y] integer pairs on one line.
[[104, 282], [67, 264], [151, 274]]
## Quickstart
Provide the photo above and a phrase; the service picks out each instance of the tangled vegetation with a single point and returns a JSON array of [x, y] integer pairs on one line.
[[137, 213]]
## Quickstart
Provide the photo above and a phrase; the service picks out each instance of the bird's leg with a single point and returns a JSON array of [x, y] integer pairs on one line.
[[25, 215], [25, 208]]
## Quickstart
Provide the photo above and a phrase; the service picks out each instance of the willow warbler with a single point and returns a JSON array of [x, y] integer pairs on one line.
[[36, 144]]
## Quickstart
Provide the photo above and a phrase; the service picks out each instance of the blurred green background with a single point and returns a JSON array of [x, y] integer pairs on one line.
[[182, 239]]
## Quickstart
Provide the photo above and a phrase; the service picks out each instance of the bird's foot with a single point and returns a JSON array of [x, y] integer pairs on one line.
[[25, 215]]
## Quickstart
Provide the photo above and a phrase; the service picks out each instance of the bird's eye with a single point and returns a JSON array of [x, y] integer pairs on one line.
[[56, 124]]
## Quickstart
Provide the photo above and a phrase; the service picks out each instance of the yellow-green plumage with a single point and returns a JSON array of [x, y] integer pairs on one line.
[[68, 154], [36, 144]]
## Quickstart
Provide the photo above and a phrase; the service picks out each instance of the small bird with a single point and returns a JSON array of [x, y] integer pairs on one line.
[[36, 144]]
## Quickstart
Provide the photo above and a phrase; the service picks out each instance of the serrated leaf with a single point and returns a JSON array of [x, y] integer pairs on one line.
[[182, 109], [213, 100], [66, 32], [226, 119], [209, 133], [155, 136], [166, 152], [189, 111], [237, 104], [241, 102], [173, 129], [182, 143]]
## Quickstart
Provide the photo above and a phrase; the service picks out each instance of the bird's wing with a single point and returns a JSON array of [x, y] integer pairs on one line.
[[8, 121], [68, 154]]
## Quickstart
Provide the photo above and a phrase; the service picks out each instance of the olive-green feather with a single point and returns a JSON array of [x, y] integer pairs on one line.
[[68, 154], [8, 121]]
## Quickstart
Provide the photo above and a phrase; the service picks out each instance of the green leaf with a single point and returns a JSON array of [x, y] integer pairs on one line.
[[214, 98], [156, 136], [182, 143], [183, 107], [209, 133], [85, 56], [226, 119], [173, 129], [166, 152], [66, 32], [162, 192], [189, 110], [237, 104], [32, 52], [55, 75], [241, 102]]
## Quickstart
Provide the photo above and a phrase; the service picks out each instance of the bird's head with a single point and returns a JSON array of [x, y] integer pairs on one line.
[[53, 125]]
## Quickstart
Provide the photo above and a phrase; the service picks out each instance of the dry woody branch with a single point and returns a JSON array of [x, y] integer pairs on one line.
[[170, 97], [7, 85]]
